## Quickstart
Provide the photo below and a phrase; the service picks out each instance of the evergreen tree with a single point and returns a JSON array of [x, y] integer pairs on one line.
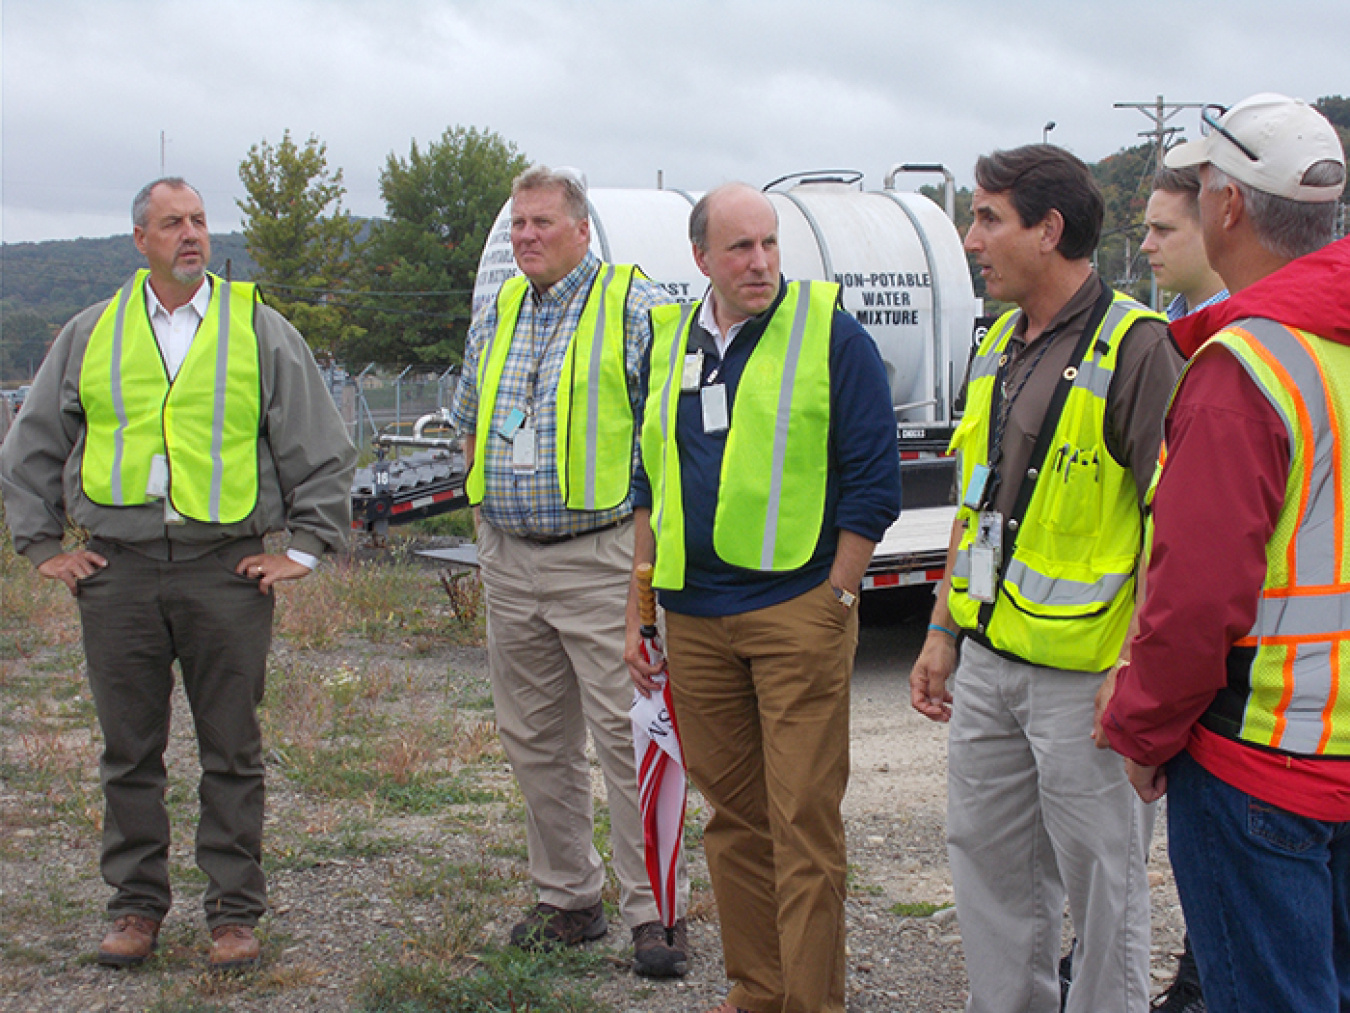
[[422, 260]]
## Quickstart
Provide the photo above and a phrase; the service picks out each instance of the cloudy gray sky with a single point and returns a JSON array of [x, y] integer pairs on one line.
[[706, 91]]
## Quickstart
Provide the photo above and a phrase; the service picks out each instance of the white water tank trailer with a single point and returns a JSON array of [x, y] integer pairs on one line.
[[902, 272]]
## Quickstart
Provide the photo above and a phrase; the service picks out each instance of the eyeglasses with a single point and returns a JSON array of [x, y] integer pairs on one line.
[[1210, 120]]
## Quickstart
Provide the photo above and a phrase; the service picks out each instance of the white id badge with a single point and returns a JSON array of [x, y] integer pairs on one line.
[[984, 555], [692, 376], [523, 448], [714, 400], [157, 485]]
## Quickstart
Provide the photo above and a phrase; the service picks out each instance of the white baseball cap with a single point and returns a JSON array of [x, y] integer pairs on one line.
[[1267, 141]]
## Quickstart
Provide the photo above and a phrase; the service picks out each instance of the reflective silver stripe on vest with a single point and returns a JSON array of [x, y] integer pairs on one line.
[[119, 406], [780, 426], [218, 402], [1316, 564], [1304, 725], [987, 364], [1094, 379], [1051, 591], [676, 353], [1304, 615], [593, 389], [961, 565]]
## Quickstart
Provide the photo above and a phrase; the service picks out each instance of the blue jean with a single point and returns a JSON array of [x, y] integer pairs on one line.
[[1266, 895]]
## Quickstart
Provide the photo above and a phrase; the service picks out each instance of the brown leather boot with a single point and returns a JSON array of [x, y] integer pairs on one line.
[[233, 947], [130, 941]]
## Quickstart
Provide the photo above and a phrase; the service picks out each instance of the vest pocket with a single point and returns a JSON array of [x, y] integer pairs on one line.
[[1071, 485]]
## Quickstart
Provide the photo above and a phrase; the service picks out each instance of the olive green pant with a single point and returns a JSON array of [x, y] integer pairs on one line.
[[762, 704], [139, 614]]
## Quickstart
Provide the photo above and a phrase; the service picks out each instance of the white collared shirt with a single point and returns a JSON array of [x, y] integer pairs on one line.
[[708, 321], [174, 331]]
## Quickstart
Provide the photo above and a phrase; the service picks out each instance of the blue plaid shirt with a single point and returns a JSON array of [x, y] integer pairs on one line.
[[530, 503], [1177, 308]]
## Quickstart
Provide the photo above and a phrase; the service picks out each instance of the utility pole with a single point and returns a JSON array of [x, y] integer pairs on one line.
[[1160, 112], [161, 153]]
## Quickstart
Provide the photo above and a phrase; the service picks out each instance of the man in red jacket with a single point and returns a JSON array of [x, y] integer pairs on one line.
[[1232, 701]]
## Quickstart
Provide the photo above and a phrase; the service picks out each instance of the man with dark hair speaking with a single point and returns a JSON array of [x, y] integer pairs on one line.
[[1059, 440]]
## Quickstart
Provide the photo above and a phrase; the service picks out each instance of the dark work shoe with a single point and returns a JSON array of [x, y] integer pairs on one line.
[[548, 927], [654, 952], [130, 940], [1066, 976], [1182, 996]]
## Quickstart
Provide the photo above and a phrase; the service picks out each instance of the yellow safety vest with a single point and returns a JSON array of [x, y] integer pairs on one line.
[[205, 421], [594, 446], [1286, 688], [1066, 589], [771, 491]]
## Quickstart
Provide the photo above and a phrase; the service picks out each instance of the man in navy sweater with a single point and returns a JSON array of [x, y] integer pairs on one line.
[[769, 472]]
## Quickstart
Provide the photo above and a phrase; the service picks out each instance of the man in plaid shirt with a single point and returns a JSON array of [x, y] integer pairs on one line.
[[548, 406]]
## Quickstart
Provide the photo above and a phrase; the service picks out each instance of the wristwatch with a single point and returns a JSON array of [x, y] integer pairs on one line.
[[846, 598]]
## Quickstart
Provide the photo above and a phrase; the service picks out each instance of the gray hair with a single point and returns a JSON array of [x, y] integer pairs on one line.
[[1288, 228], [140, 204], [570, 184], [698, 218]]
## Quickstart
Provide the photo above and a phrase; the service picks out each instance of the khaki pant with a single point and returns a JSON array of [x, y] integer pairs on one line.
[[139, 614], [555, 626], [762, 703]]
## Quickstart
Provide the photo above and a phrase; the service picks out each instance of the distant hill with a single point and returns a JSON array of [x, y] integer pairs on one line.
[[57, 279]]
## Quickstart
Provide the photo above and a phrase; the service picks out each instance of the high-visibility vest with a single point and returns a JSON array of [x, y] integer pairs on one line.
[[594, 446], [1287, 677], [771, 490], [205, 420], [1066, 588]]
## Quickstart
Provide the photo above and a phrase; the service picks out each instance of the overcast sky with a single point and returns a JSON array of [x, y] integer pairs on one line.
[[706, 91]]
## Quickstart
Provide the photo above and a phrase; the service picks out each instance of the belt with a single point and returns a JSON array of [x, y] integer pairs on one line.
[[559, 539]]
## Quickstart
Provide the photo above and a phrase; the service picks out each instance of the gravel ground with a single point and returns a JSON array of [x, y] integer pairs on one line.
[[333, 916]]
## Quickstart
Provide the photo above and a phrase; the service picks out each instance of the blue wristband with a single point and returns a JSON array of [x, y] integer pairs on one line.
[[942, 629]]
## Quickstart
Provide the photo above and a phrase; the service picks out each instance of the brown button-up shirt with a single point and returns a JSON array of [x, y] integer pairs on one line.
[[1147, 367]]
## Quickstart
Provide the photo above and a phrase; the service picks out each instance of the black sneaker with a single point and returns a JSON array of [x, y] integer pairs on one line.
[[659, 952], [1066, 975], [548, 927], [1182, 996]]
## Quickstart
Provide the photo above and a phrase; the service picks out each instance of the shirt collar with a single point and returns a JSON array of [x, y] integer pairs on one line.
[[566, 287], [199, 301]]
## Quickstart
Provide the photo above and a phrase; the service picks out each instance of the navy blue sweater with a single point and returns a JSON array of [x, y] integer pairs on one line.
[[863, 488]]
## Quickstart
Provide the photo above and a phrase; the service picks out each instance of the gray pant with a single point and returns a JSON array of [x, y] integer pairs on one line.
[[1036, 812], [138, 615]]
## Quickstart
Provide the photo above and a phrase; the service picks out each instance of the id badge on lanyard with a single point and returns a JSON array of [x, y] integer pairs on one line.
[[985, 554]]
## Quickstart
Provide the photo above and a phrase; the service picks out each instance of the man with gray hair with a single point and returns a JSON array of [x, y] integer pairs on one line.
[[178, 423], [1233, 701], [548, 406]]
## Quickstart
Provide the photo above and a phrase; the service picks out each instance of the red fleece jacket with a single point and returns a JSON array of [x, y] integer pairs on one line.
[[1214, 510]]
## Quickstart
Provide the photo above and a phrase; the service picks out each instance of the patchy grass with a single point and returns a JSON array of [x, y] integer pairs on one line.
[[382, 603], [506, 981], [917, 909]]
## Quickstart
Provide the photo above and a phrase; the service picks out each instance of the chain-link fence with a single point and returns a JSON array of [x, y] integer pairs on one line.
[[376, 400]]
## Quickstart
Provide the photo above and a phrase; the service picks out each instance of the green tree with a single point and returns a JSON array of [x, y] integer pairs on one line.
[[440, 204], [24, 337], [305, 244]]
